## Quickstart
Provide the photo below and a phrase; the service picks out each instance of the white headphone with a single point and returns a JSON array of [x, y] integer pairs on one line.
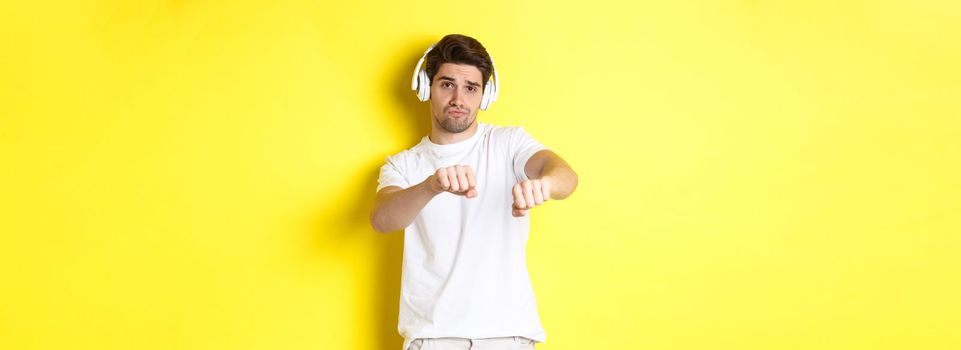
[[420, 83]]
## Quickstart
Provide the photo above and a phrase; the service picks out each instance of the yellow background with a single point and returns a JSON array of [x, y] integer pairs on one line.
[[753, 174]]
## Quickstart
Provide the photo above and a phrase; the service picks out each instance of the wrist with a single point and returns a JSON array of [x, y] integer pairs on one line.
[[429, 185], [547, 181]]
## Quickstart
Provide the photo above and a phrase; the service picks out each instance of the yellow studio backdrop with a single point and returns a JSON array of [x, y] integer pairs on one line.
[[753, 174]]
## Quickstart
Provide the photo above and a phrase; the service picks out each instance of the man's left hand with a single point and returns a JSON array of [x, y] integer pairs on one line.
[[530, 193]]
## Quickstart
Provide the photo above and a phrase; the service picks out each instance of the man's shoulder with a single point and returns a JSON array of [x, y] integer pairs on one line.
[[403, 155]]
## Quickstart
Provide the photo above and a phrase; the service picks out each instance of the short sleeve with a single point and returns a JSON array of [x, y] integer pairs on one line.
[[523, 146], [390, 175]]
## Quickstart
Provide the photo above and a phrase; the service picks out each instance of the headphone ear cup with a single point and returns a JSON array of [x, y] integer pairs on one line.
[[495, 88], [486, 100], [423, 86]]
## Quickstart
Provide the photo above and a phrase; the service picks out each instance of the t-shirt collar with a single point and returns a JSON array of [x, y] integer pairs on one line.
[[456, 147]]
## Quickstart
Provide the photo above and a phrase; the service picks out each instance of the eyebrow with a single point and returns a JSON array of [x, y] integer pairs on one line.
[[444, 77]]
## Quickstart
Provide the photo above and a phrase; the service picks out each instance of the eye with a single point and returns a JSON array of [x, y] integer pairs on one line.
[[446, 84], [472, 88]]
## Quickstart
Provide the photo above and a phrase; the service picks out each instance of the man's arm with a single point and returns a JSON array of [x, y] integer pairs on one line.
[[550, 178], [548, 166], [395, 208]]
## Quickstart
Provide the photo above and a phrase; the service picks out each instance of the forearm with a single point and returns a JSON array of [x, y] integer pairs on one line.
[[562, 178], [396, 210]]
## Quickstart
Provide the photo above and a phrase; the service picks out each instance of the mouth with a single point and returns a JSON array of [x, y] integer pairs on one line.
[[457, 113]]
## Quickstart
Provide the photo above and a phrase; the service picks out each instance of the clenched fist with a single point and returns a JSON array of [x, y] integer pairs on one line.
[[457, 179], [530, 193]]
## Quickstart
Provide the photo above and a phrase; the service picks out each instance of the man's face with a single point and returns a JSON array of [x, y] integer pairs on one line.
[[455, 96]]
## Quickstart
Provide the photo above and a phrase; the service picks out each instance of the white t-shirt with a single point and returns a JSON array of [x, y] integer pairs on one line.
[[465, 270]]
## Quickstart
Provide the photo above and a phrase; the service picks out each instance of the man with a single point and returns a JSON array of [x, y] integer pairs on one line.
[[462, 195]]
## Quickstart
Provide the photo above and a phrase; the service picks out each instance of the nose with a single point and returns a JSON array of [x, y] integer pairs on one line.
[[455, 98]]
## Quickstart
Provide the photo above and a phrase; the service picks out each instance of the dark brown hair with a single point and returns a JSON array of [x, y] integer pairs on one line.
[[459, 49]]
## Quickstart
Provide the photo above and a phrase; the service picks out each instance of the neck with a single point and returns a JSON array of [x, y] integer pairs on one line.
[[441, 137]]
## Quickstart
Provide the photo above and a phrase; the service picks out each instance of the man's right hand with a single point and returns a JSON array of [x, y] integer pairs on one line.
[[457, 179]]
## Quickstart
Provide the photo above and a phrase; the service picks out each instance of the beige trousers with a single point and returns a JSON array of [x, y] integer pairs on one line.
[[502, 343]]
